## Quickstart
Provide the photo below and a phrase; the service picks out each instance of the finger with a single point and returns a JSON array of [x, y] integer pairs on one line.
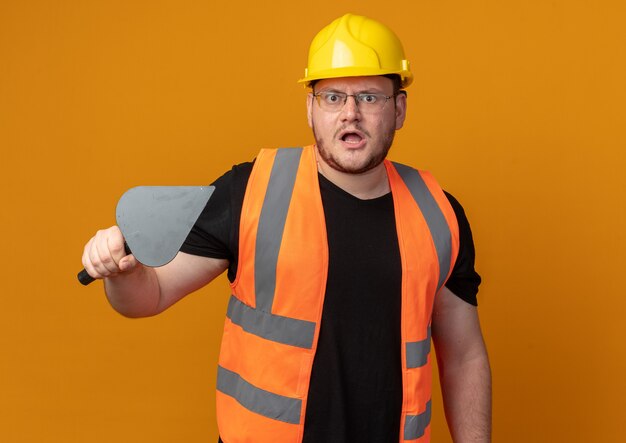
[[94, 258], [86, 260], [115, 245], [128, 263], [101, 256]]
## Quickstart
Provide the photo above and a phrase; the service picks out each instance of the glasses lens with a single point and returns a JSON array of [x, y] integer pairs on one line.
[[331, 101]]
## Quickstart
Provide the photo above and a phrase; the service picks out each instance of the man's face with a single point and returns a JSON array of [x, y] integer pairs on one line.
[[354, 139]]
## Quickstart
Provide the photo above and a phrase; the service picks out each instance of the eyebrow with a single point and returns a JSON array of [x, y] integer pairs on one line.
[[364, 91]]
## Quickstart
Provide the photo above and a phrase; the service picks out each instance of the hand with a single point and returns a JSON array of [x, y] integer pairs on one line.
[[104, 255]]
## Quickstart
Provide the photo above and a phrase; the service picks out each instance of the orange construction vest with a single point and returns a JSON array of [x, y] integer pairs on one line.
[[274, 315]]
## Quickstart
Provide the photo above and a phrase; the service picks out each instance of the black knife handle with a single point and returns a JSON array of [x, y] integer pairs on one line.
[[84, 278]]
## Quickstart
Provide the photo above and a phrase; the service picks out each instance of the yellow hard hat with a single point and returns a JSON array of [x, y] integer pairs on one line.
[[354, 46]]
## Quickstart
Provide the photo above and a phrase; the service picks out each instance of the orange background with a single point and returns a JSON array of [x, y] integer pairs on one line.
[[518, 108]]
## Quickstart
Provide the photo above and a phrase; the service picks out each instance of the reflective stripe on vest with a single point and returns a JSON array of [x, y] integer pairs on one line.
[[272, 224], [415, 425], [439, 229], [289, 331], [255, 399], [417, 352]]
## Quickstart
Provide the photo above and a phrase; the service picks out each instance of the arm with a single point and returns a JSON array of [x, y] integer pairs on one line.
[[135, 290], [464, 369]]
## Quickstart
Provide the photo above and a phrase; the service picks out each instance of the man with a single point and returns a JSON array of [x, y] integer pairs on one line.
[[337, 260]]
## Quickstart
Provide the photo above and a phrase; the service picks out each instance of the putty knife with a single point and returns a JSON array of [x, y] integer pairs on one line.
[[155, 221]]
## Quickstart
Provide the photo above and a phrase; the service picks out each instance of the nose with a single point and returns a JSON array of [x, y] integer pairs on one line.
[[350, 110]]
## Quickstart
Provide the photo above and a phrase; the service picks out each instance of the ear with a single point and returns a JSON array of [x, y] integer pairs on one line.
[[400, 110], [309, 108]]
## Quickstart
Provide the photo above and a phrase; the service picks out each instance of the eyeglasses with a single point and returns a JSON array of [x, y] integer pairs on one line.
[[366, 102]]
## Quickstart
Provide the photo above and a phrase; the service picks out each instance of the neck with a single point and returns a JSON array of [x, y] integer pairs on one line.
[[367, 185]]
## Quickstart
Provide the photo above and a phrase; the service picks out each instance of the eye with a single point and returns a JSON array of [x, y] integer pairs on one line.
[[332, 98], [368, 98]]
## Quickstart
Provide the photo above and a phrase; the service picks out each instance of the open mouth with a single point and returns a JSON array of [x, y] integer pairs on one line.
[[352, 138]]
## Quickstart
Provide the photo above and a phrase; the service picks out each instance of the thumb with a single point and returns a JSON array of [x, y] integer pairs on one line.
[[127, 263]]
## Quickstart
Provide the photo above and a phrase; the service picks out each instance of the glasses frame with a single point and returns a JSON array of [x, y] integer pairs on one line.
[[318, 95]]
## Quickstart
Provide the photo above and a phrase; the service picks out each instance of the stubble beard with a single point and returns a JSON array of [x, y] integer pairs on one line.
[[376, 159]]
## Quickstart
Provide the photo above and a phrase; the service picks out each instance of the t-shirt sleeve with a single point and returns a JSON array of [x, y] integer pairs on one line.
[[464, 280], [216, 232]]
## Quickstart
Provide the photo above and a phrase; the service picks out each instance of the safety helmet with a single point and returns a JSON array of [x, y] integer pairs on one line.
[[354, 46]]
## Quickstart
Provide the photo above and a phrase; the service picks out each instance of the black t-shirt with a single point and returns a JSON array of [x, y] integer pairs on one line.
[[355, 392]]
